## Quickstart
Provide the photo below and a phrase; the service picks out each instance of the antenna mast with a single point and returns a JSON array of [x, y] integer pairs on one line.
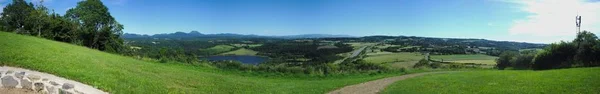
[[578, 23]]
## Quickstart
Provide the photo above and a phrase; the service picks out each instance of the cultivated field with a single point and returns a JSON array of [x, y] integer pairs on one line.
[[560, 81]]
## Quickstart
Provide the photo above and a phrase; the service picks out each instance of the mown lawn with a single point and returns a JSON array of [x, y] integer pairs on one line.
[[124, 75], [560, 81]]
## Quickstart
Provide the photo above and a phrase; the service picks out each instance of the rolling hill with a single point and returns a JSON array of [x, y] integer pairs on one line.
[[124, 75]]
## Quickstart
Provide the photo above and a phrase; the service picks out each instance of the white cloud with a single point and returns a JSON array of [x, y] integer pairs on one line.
[[555, 18]]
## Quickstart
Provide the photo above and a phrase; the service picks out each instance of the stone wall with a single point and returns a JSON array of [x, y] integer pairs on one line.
[[43, 83]]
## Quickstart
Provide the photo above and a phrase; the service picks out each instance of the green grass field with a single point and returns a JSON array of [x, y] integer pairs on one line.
[[241, 51], [388, 57], [357, 45], [217, 49], [394, 60], [475, 58], [560, 81], [124, 75], [487, 62]]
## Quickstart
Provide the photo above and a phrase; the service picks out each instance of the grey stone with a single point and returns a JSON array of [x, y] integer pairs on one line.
[[54, 83], [51, 89], [9, 82], [68, 86], [9, 72], [45, 79], [25, 84], [33, 77], [38, 87], [61, 91], [20, 75], [78, 92]]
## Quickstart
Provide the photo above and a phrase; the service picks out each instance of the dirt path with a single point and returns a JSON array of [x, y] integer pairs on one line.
[[374, 87]]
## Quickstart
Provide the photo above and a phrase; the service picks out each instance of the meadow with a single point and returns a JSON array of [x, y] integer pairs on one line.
[[471, 58], [125, 75], [217, 49], [394, 60], [241, 51], [560, 81]]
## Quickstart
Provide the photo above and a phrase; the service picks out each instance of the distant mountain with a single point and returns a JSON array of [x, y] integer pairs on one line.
[[196, 34], [313, 36]]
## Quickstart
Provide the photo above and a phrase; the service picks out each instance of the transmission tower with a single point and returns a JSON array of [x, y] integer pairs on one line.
[[578, 23]]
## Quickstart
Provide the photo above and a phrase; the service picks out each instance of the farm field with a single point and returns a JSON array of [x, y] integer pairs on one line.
[[560, 81], [393, 57], [217, 49], [357, 45], [487, 62], [394, 60], [103, 70], [241, 51], [476, 58]]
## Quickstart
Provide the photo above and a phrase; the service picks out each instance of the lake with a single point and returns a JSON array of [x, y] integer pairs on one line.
[[243, 59]]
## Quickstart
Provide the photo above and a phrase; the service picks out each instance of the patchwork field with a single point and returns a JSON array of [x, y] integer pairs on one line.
[[560, 81]]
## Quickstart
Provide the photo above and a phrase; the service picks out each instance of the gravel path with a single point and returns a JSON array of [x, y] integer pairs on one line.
[[374, 87]]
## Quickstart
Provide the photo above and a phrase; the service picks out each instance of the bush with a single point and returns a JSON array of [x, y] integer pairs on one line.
[[421, 63]]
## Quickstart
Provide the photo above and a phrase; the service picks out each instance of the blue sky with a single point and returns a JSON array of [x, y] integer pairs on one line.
[[543, 21]]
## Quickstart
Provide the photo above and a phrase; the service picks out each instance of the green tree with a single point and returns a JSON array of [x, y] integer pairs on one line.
[[99, 29], [586, 43], [557, 55], [504, 60], [15, 16]]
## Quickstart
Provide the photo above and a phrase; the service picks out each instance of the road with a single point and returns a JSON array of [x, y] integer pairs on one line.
[[357, 52], [376, 86]]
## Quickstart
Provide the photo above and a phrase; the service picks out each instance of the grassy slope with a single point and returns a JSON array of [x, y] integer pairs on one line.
[[217, 49], [124, 75], [241, 51], [565, 81]]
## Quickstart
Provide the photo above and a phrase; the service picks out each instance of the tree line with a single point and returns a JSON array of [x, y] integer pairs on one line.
[[88, 24], [583, 51]]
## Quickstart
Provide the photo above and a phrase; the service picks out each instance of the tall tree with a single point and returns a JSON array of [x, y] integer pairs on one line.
[[99, 29], [39, 19], [585, 43], [15, 16]]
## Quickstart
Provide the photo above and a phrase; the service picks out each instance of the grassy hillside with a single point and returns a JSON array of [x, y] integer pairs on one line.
[[217, 49], [124, 75], [562, 81], [241, 51]]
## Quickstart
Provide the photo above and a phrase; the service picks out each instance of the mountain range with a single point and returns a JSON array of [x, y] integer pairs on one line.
[[196, 34]]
